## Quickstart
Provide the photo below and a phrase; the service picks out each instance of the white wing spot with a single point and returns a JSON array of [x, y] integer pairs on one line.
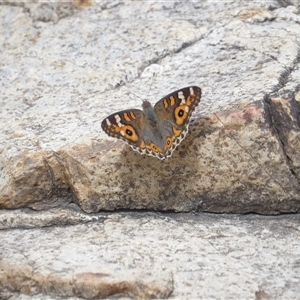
[[108, 122], [181, 97], [187, 109], [122, 132], [191, 91], [118, 120]]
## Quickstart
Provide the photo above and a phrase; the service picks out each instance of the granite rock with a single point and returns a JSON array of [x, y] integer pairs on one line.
[[149, 255], [65, 66], [61, 71]]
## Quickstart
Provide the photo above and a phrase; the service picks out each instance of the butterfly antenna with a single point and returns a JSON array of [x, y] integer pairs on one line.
[[128, 91], [150, 85]]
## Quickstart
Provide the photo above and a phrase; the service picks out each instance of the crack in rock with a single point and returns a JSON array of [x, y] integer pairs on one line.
[[284, 118]]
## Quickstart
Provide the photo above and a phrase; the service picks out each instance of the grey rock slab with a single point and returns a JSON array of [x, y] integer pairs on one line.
[[146, 255], [27, 218], [60, 68], [58, 75]]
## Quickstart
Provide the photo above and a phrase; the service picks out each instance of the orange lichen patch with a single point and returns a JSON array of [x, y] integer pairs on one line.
[[84, 2], [242, 115]]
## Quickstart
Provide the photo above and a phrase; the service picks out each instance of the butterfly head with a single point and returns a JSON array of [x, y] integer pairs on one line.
[[146, 104]]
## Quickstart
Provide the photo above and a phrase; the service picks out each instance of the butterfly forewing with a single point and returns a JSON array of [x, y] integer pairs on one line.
[[175, 110], [178, 106], [172, 115], [125, 125]]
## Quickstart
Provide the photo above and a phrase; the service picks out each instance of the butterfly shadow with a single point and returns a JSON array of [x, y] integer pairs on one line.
[[167, 185]]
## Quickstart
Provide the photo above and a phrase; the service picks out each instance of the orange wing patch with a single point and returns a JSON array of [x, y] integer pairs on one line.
[[168, 143], [143, 144], [154, 148], [172, 100], [166, 104], [191, 99], [126, 117], [132, 115], [181, 114], [129, 133], [176, 132], [169, 101], [112, 127]]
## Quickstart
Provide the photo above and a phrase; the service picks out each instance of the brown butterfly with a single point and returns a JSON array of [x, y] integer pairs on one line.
[[158, 130]]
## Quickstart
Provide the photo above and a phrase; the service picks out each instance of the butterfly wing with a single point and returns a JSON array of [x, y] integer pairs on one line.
[[178, 106], [174, 112], [126, 125], [156, 131]]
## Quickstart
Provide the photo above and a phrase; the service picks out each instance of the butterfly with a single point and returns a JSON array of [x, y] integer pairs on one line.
[[158, 130]]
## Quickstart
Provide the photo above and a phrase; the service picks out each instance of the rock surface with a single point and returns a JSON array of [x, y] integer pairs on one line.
[[65, 66], [61, 66], [149, 255], [52, 148]]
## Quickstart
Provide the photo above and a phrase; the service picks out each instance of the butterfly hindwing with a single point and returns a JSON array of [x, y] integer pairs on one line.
[[158, 130]]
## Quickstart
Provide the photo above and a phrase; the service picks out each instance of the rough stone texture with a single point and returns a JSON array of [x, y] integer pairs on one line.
[[222, 158], [63, 68], [148, 255], [285, 118], [60, 70]]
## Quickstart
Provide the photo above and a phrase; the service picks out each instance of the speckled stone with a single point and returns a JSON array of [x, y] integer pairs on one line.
[[61, 68], [148, 255], [64, 67]]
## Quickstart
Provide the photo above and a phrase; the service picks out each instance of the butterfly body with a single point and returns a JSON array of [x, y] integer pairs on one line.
[[158, 130]]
